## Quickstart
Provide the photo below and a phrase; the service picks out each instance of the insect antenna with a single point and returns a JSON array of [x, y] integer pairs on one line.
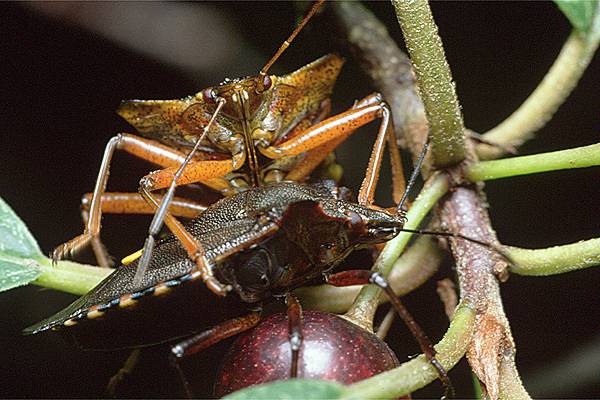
[[161, 212], [413, 176], [401, 210], [263, 72]]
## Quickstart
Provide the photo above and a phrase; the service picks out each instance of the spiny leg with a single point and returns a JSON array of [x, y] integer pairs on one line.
[[362, 277], [332, 131], [131, 203], [134, 203], [312, 158], [208, 338], [294, 314], [146, 149], [366, 194]]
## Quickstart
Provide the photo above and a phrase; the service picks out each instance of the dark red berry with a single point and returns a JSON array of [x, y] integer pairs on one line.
[[333, 349]]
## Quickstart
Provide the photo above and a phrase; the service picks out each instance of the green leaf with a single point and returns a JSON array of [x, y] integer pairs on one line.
[[583, 14], [18, 250], [16, 271], [304, 389], [15, 238]]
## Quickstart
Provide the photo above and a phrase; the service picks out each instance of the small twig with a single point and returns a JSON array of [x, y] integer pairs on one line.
[[69, 276], [404, 379], [540, 106], [364, 306], [491, 353], [555, 260], [388, 67], [580, 157], [386, 324]]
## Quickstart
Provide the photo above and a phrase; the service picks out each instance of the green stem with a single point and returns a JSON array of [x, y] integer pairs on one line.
[[364, 307], [70, 277], [418, 372], [511, 385], [580, 157], [555, 260], [434, 80], [541, 105]]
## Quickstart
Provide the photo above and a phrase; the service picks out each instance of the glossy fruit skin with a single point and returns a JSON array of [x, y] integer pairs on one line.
[[333, 349]]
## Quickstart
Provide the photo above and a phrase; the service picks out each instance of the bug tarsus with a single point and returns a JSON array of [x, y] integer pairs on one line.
[[357, 277], [295, 335]]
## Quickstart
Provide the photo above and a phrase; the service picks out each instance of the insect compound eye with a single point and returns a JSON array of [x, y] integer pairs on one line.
[[267, 82], [264, 84], [209, 96], [328, 246], [328, 253]]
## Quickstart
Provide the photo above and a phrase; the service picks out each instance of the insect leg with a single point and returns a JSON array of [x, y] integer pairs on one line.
[[366, 194], [294, 314], [134, 203], [143, 148], [208, 338], [131, 203], [337, 128], [362, 277], [314, 157]]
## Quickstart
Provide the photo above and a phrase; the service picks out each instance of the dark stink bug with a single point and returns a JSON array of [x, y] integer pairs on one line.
[[263, 242]]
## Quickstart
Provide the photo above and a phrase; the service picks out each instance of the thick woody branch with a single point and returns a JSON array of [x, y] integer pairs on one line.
[[491, 353]]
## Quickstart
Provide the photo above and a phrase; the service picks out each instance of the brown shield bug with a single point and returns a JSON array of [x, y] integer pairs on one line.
[[263, 129]]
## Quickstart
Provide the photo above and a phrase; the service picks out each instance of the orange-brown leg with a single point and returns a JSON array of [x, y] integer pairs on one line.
[[143, 148], [134, 203], [192, 246], [208, 338], [187, 172], [327, 134], [131, 203]]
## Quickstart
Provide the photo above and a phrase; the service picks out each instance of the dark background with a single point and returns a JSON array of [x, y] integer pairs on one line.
[[61, 84]]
